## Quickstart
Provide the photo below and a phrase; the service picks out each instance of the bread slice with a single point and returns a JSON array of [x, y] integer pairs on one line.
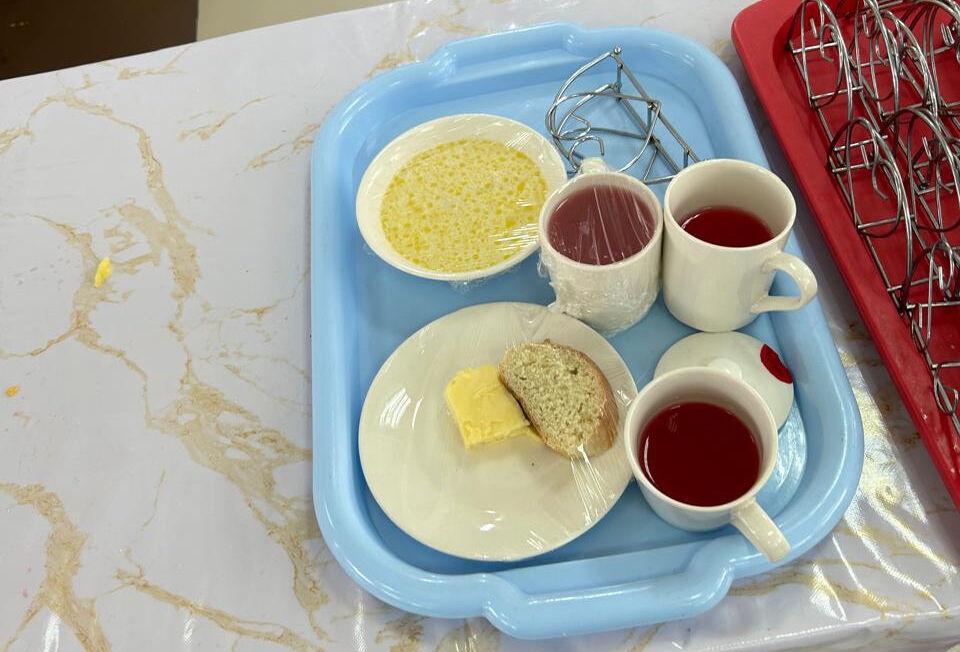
[[565, 396]]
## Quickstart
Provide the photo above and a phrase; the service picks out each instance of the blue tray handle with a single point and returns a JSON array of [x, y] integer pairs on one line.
[[490, 47], [632, 604], [559, 45]]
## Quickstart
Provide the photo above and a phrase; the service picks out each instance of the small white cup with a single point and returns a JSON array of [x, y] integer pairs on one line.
[[714, 288], [717, 387], [613, 297]]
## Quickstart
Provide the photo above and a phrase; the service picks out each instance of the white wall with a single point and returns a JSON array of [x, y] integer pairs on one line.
[[217, 17]]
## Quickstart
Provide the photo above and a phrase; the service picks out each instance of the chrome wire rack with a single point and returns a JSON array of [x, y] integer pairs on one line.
[[884, 81], [583, 116]]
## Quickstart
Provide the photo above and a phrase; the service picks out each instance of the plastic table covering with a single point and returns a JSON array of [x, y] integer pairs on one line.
[[155, 466]]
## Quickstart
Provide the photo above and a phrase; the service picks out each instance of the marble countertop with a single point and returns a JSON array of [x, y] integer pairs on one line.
[[155, 475]]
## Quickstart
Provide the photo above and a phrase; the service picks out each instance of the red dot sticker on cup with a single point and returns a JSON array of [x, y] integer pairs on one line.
[[774, 364]]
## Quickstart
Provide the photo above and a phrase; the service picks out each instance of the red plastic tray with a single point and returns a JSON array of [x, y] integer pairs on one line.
[[760, 34]]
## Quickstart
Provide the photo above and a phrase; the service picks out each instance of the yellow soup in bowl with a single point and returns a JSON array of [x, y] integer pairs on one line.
[[463, 205]]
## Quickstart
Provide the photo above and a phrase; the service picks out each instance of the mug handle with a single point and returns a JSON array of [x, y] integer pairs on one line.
[[760, 530], [802, 276]]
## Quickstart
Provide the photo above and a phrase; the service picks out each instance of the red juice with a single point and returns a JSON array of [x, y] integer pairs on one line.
[[600, 225], [699, 454], [727, 226]]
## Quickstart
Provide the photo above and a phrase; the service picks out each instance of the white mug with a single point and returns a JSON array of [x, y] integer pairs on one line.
[[715, 288], [717, 387], [613, 297]]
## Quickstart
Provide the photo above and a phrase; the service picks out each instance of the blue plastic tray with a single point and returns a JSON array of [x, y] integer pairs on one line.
[[631, 569]]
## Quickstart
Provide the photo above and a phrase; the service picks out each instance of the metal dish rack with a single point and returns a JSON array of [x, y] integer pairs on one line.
[[876, 76]]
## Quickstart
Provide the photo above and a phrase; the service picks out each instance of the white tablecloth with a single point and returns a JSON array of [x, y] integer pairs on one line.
[[155, 466]]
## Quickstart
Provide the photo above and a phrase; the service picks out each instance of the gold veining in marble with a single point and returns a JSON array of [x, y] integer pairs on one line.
[[252, 629], [475, 635], [237, 373], [392, 60], [61, 564], [232, 358], [850, 360], [723, 48], [194, 417], [170, 234], [163, 237], [254, 316], [815, 580], [85, 300], [886, 423], [228, 352], [885, 491], [283, 151], [204, 132], [120, 238], [166, 69], [9, 136], [364, 609], [445, 22], [402, 634], [156, 500], [884, 569], [900, 540], [646, 637]]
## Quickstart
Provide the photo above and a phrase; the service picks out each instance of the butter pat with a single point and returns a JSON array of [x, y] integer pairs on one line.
[[483, 408]]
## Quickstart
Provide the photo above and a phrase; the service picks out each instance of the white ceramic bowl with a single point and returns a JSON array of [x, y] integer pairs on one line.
[[388, 162]]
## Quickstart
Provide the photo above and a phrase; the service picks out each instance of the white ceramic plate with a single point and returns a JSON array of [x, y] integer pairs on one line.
[[501, 501], [395, 155]]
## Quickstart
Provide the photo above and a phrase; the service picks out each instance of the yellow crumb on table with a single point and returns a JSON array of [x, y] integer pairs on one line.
[[13, 390], [104, 270]]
